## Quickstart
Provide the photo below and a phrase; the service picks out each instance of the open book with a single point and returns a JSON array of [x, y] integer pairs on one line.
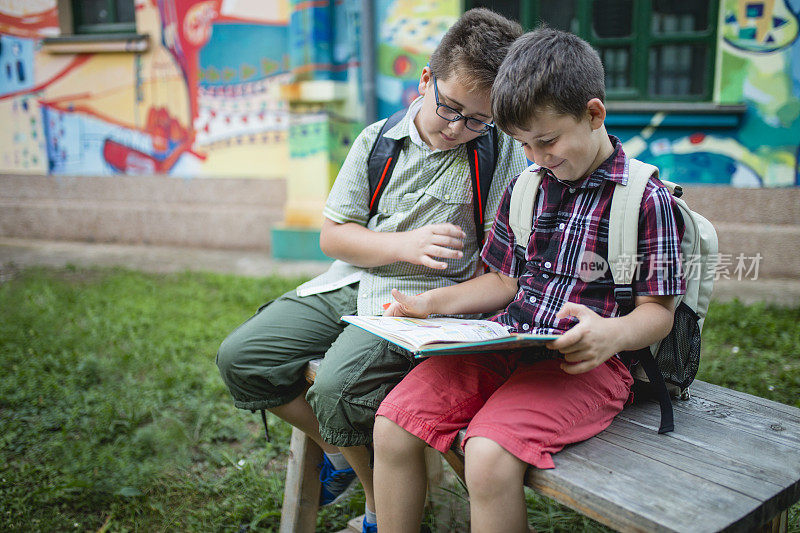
[[446, 336]]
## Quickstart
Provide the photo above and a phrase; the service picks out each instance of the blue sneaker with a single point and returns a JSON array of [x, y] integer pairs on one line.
[[366, 527], [335, 483]]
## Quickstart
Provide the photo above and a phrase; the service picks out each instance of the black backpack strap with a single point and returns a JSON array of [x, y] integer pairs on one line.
[[625, 299], [381, 161], [482, 156]]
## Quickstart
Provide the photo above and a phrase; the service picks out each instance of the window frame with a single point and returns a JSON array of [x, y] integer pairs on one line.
[[69, 42], [641, 40], [80, 27]]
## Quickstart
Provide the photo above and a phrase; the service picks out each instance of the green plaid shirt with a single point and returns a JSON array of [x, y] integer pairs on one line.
[[426, 187]]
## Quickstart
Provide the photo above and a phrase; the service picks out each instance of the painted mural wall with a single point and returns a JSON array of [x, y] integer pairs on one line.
[[204, 100], [758, 64], [408, 33], [209, 97]]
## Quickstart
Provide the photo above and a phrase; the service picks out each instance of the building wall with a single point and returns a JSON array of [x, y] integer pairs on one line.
[[758, 65], [272, 90], [203, 101]]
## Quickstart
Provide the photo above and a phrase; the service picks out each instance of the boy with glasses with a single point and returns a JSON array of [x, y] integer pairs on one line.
[[422, 236]]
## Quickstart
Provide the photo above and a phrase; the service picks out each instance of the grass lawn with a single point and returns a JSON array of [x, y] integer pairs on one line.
[[113, 416]]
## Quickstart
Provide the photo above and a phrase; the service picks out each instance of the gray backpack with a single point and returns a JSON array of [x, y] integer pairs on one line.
[[669, 366]]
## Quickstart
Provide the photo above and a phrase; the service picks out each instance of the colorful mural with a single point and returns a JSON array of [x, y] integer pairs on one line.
[[758, 64], [209, 97], [408, 33], [203, 101]]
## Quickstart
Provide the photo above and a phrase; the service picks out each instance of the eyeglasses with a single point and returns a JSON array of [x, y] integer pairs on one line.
[[451, 115]]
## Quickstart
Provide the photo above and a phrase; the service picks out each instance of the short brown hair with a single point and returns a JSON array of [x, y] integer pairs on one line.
[[474, 47], [546, 69]]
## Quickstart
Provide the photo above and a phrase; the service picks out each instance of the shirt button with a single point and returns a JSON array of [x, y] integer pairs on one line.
[[545, 276], [547, 264], [446, 196], [526, 327], [572, 189], [562, 226], [532, 299]]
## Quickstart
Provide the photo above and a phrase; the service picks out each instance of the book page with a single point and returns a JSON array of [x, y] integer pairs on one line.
[[419, 332]]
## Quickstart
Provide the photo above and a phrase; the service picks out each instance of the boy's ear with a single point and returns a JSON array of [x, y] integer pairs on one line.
[[424, 79], [597, 112]]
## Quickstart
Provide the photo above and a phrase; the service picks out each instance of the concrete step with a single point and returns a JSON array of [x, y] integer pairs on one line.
[[207, 212], [778, 245]]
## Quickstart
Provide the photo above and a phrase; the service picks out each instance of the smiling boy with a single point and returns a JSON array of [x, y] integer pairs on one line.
[[421, 236], [520, 407]]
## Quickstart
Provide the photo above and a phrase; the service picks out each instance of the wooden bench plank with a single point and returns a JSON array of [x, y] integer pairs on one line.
[[722, 435], [745, 401], [675, 499], [690, 458]]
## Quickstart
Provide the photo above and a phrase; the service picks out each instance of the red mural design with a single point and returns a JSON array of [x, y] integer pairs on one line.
[[30, 25]]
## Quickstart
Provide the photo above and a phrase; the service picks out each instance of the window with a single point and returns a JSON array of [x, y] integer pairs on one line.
[[657, 50], [96, 26], [103, 16]]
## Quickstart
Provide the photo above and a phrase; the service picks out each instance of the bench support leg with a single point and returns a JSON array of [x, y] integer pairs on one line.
[[779, 524], [301, 490]]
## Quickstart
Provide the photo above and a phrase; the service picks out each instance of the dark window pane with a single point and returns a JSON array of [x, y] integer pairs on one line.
[[125, 11], [95, 12], [679, 16], [617, 64], [612, 18], [678, 70], [507, 8], [559, 14]]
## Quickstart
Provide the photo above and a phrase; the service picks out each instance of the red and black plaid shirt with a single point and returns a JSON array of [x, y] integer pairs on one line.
[[570, 225]]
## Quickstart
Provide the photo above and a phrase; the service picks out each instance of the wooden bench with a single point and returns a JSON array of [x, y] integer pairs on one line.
[[732, 464]]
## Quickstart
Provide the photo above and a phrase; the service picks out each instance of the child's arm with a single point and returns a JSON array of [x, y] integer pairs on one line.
[[483, 294], [595, 339], [363, 247]]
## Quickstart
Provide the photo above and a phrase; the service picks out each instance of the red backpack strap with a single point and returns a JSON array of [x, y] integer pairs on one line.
[[381, 161]]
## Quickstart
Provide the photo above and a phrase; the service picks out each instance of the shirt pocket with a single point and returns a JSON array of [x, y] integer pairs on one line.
[[573, 248]]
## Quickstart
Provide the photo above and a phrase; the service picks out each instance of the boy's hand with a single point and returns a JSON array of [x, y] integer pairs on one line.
[[588, 344], [422, 245], [405, 305]]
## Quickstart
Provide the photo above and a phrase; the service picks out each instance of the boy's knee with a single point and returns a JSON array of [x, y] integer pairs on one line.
[[488, 467], [391, 440], [226, 358]]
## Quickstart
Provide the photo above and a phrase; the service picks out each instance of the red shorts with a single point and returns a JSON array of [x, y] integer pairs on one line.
[[530, 408]]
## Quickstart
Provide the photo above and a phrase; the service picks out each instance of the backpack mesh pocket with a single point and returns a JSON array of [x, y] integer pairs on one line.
[[678, 356]]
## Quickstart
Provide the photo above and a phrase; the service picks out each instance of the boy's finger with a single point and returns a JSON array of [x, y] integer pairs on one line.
[[572, 309], [578, 368], [400, 297], [448, 229], [448, 242], [566, 340], [448, 253], [431, 263]]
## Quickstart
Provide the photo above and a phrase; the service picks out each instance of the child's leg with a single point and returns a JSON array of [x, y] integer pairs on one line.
[[429, 406], [400, 467], [262, 361], [359, 459], [299, 414], [536, 412], [355, 375], [495, 483]]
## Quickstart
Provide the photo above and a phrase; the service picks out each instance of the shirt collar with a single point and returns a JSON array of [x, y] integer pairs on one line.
[[614, 168]]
